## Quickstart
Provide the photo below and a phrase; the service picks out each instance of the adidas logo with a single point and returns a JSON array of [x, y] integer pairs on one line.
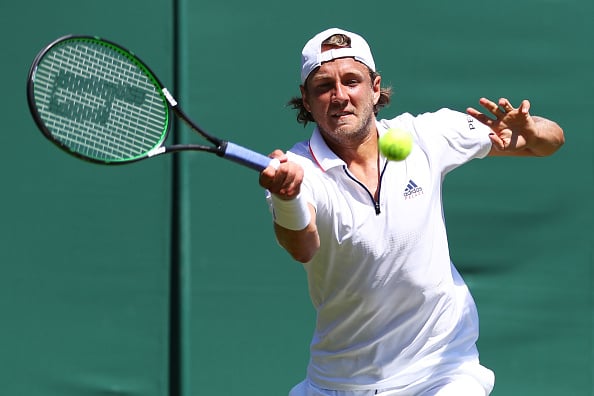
[[412, 190]]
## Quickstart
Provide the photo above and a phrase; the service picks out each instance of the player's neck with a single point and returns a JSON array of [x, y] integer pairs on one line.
[[361, 153], [363, 161]]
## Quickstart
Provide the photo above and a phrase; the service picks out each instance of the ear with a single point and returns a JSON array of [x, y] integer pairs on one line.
[[376, 86], [304, 98]]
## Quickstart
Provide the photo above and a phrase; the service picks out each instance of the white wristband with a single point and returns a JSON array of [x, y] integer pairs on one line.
[[292, 214]]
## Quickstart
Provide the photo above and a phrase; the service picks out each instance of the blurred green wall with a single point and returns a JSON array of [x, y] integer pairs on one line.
[[86, 251], [84, 258]]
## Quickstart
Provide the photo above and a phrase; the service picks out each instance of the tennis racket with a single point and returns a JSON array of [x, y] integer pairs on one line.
[[97, 101]]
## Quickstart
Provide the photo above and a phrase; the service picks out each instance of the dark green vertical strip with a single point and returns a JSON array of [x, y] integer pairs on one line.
[[179, 267]]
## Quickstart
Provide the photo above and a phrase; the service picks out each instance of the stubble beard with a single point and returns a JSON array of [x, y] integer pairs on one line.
[[349, 135]]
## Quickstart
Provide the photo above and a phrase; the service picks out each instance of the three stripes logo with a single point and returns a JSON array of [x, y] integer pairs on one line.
[[412, 190]]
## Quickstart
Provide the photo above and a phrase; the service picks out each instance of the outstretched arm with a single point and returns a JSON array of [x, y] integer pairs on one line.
[[516, 132]]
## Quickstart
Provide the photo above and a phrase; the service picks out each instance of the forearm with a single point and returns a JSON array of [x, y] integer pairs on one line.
[[303, 244], [295, 226], [548, 138]]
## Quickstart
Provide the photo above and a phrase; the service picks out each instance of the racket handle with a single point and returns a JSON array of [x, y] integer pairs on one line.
[[249, 158]]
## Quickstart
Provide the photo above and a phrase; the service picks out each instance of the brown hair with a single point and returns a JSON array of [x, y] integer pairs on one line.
[[338, 41]]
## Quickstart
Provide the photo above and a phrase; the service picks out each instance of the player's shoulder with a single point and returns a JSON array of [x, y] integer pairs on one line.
[[443, 121], [301, 154], [300, 148], [430, 116]]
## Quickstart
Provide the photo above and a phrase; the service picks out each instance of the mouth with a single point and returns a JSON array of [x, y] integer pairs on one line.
[[341, 114]]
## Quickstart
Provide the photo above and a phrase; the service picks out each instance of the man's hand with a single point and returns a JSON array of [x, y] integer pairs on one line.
[[285, 181], [516, 132], [512, 128]]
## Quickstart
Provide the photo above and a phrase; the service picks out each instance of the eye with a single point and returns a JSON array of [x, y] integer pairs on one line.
[[322, 86], [351, 80]]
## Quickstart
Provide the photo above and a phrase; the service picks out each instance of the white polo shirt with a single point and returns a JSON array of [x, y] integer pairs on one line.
[[391, 308]]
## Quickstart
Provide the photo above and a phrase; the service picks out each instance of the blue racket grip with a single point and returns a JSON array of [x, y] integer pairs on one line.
[[249, 158]]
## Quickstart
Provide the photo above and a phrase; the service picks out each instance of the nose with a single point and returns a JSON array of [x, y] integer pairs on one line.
[[339, 93]]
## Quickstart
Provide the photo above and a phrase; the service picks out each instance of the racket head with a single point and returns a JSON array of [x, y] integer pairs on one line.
[[97, 101]]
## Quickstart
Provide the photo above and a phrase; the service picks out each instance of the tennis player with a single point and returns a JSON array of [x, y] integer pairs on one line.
[[394, 317]]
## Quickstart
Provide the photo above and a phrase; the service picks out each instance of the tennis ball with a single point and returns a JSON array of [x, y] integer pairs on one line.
[[395, 144]]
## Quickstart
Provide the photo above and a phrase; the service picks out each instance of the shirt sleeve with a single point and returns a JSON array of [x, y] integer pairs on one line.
[[450, 138]]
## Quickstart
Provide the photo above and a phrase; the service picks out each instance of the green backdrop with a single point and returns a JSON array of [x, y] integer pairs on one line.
[[163, 277]]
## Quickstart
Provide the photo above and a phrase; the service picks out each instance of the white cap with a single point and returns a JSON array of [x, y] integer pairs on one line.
[[313, 57]]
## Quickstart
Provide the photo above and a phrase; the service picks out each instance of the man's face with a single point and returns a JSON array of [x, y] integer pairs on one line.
[[340, 96]]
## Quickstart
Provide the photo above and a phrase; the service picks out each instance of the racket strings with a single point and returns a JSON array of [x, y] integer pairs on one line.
[[98, 102]]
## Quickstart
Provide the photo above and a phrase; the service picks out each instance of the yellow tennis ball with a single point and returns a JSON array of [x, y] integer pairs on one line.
[[395, 144]]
